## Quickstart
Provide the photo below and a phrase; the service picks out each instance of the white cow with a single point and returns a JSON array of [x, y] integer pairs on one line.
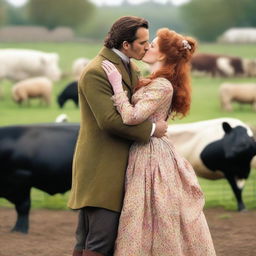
[[241, 93], [218, 148], [239, 35], [19, 64]]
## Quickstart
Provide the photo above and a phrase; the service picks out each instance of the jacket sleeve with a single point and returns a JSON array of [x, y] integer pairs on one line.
[[95, 87], [157, 93]]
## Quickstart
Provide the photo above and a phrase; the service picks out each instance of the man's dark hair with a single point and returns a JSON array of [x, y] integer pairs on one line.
[[124, 29]]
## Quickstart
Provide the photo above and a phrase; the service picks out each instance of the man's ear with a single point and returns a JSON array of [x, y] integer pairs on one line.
[[125, 45]]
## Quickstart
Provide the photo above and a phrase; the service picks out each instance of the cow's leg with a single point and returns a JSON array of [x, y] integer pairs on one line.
[[228, 105], [238, 193], [22, 208], [254, 106], [21, 199]]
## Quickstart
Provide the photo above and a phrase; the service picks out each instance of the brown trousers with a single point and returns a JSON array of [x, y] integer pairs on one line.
[[97, 230]]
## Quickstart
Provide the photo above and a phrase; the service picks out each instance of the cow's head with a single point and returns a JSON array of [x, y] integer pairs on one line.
[[238, 147], [232, 155], [50, 67], [61, 100]]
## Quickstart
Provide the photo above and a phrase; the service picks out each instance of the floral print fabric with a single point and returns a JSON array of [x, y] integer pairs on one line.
[[162, 213]]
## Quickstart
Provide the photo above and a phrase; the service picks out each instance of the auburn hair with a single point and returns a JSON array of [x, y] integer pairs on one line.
[[178, 51]]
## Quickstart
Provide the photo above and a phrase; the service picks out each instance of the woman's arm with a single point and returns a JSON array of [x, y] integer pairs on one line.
[[95, 90], [158, 92]]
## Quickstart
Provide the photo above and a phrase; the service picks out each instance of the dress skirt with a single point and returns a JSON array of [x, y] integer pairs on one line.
[[162, 213]]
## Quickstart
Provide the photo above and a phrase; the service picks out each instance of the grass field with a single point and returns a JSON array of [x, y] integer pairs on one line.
[[205, 105]]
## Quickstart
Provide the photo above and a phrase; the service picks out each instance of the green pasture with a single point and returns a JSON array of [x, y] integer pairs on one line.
[[205, 105]]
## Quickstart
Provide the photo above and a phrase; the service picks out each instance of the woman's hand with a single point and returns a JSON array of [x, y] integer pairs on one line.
[[113, 75]]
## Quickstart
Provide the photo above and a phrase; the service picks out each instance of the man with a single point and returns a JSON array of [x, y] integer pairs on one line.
[[102, 148]]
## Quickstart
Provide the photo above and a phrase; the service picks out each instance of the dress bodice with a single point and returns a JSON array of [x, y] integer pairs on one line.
[[151, 102], [163, 109]]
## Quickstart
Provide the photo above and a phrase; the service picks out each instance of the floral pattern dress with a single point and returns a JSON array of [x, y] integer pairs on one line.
[[162, 213]]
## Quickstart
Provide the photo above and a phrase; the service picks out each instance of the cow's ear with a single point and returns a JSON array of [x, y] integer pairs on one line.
[[226, 127]]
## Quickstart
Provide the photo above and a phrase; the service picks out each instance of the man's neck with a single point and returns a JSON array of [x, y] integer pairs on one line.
[[121, 55]]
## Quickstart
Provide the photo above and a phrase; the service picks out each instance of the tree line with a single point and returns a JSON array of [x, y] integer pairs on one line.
[[47, 13], [205, 20]]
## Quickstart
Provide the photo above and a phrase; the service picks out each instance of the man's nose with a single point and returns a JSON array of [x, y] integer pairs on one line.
[[147, 46]]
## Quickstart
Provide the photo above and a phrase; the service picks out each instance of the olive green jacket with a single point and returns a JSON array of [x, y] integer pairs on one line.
[[102, 148]]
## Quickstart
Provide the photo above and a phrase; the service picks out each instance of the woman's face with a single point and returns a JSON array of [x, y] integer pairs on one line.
[[153, 54]]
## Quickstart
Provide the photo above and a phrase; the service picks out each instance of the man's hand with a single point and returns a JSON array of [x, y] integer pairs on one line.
[[161, 129]]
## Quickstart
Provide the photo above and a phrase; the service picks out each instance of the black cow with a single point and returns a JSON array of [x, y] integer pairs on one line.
[[37, 156], [69, 93], [216, 150], [41, 155]]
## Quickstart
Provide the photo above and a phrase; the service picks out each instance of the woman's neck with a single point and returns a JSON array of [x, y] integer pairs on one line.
[[155, 67]]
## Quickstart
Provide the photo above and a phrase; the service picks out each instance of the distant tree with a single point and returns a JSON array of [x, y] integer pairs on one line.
[[208, 19], [165, 16], [52, 13], [2, 12], [16, 15], [248, 16]]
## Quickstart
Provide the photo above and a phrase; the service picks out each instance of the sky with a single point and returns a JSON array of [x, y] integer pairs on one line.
[[17, 2], [108, 2], [117, 2]]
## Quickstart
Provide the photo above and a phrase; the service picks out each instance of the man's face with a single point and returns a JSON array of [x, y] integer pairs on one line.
[[153, 54], [139, 47]]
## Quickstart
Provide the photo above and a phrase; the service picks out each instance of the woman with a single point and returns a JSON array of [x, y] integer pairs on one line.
[[162, 211]]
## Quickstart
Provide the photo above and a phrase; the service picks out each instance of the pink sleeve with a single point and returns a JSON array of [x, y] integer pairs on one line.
[[155, 94]]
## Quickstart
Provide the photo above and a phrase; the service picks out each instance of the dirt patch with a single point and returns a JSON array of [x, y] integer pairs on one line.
[[52, 233], [233, 232]]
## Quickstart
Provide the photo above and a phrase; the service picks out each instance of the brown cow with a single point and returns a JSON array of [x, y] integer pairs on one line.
[[222, 65]]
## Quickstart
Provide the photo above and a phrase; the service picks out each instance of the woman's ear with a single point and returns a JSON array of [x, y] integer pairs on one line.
[[161, 57]]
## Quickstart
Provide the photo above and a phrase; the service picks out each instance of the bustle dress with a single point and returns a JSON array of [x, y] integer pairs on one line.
[[162, 212]]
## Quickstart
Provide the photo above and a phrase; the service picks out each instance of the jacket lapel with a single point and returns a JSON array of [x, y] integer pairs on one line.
[[114, 58], [135, 74]]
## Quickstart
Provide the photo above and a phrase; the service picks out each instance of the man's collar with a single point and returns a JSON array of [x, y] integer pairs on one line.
[[114, 58], [121, 55]]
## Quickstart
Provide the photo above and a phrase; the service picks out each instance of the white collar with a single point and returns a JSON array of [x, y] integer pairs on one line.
[[121, 55]]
